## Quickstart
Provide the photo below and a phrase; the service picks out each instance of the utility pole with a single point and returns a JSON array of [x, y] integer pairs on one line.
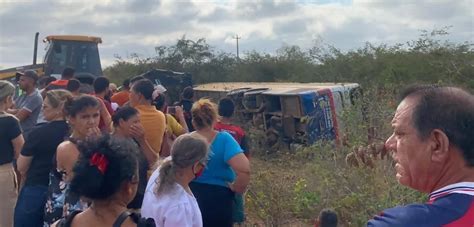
[[237, 39]]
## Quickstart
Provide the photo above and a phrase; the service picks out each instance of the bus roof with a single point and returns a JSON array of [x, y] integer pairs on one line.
[[81, 38], [275, 86]]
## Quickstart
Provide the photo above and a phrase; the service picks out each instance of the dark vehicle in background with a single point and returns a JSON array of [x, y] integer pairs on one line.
[[174, 82]]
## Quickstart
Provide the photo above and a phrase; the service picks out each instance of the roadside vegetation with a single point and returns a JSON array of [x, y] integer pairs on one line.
[[289, 188]]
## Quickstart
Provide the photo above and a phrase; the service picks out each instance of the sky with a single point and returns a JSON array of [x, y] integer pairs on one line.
[[138, 26]]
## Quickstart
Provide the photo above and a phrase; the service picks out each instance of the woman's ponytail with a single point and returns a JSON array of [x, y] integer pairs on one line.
[[167, 177]]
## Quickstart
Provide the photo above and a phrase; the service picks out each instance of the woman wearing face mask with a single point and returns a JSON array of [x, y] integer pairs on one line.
[[36, 157], [83, 114], [11, 141], [168, 198]]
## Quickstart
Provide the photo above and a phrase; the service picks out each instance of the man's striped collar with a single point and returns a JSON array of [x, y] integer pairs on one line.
[[460, 188]]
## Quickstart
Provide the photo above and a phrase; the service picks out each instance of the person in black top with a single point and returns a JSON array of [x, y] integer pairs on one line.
[[36, 159], [82, 113], [11, 141], [128, 127]]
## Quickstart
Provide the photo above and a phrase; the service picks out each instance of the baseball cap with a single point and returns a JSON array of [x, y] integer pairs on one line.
[[28, 73]]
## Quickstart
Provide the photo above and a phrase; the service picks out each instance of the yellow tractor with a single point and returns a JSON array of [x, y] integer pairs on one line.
[[78, 52]]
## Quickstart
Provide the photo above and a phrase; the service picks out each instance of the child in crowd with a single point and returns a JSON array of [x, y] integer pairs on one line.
[[226, 111], [327, 218]]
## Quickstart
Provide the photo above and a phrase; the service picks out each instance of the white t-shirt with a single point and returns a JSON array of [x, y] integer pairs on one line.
[[175, 208]]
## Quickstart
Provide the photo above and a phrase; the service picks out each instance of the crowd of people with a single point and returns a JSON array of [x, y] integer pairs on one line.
[[87, 154], [84, 154]]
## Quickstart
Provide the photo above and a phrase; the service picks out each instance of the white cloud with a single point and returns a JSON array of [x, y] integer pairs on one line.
[[138, 26]]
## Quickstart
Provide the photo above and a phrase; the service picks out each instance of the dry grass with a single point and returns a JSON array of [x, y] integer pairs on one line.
[[291, 189]]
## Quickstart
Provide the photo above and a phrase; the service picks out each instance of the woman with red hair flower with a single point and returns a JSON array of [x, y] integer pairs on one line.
[[106, 174]]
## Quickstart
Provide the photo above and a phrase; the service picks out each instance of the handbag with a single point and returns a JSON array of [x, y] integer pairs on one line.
[[168, 139]]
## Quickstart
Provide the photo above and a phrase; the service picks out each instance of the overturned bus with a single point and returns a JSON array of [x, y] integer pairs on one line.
[[292, 113]]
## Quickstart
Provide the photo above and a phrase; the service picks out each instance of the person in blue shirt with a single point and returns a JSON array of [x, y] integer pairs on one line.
[[434, 153], [227, 171]]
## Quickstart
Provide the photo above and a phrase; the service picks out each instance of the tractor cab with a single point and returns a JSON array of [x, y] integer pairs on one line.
[[78, 52]]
